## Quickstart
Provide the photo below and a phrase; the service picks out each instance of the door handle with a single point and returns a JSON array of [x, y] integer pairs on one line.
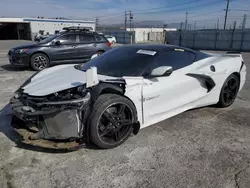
[[94, 45], [74, 46]]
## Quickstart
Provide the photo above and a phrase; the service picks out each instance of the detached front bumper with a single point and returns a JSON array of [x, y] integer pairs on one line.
[[56, 125]]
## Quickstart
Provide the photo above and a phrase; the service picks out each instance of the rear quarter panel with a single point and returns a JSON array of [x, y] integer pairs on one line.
[[224, 66]]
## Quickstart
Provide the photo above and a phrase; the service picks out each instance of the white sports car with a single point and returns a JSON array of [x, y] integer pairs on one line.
[[122, 91]]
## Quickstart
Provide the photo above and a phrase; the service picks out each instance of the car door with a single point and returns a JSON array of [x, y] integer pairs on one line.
[[166, 96], [87, 46], [66, 50]]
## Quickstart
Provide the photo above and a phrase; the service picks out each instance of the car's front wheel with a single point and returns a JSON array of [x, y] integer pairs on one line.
[[111, 120], [39, 61]]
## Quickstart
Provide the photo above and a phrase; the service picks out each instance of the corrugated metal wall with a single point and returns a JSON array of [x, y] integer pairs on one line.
[[211, 40], [156, 36], [122, 37]]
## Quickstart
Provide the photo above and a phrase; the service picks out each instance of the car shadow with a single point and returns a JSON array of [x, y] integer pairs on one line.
[[9, 67], [6, 128]]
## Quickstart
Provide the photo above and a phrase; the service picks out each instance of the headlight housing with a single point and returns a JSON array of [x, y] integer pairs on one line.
[[21, 50]]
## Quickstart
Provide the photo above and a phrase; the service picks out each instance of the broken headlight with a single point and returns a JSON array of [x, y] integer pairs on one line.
[[69, 94]]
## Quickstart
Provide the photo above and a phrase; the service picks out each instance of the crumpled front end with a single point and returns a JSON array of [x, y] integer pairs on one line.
[[51, 120]]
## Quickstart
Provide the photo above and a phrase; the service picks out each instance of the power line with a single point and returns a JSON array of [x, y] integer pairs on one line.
[[225, 23], [138, 10], [239, 10], [203, 14], [218, 1], [175, 5], [146, 11]]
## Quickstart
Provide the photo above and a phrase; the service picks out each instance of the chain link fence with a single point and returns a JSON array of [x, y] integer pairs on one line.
[[237, 40], [122, 37]]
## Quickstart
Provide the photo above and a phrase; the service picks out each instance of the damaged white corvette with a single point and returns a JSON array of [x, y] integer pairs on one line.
[[118, 93]]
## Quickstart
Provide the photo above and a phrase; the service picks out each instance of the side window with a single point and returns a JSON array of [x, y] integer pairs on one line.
[[86, 38], [67, 39], [99, 38], [176, 59]]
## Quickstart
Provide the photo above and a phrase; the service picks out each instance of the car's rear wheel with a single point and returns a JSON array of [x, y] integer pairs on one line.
[[229, 91], [111, 121], [39, 61]]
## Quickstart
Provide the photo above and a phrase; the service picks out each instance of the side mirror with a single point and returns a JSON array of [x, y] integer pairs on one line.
[[161, 71], [57, 42]]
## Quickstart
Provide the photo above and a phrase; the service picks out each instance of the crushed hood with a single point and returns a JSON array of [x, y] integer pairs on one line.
[[56, 79]]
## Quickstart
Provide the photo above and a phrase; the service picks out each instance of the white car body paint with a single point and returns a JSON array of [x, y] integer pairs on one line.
[[57, 78], [155, 99]]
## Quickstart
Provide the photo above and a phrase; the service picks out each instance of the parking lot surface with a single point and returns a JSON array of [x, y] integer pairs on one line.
[[206, 147]]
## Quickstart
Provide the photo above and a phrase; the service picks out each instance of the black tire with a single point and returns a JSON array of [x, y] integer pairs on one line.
[[39, 61], [99, 53], [108, 137], [229, 91]]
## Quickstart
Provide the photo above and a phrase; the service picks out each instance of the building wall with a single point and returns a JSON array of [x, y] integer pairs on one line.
[[51, 25], [142, 34]]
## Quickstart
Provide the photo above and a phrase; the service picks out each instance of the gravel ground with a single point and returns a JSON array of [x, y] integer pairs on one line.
[[206, 147]]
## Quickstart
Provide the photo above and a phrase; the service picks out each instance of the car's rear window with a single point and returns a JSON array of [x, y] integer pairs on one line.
[[86, 38], [100, 38]]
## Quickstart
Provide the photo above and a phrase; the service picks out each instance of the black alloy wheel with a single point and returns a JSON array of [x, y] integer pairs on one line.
[[229, 91], [111, 120], [115, 123]]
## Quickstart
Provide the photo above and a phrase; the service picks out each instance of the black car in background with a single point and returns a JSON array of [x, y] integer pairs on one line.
[[74, 45]]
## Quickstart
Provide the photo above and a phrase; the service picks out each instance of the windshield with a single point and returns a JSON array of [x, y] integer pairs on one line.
[[120, 61], [48, 39]]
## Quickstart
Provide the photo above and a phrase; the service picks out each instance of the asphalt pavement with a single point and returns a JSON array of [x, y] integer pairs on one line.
[[205, 147]]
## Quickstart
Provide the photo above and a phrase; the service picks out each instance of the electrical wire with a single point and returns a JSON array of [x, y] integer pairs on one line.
[[184, 8], [138, 10]]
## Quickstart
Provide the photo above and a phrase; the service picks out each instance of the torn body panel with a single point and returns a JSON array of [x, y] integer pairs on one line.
[[64, 115], [53, 120]]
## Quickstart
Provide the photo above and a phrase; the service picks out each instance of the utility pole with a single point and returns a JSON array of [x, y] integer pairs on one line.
[[225, 23], [186, 21], [244, 22], [181, 25], [125, 21], [235, 25], [130, 20], [96, 23], [218, 24], [194, 25]]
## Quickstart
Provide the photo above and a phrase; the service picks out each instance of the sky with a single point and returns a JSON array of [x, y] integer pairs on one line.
[[203, 12]]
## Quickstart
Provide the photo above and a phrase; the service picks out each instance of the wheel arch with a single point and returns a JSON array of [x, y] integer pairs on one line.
[[100, 50], [237, 74], [38, 52], [137, 124], [108, 88]]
